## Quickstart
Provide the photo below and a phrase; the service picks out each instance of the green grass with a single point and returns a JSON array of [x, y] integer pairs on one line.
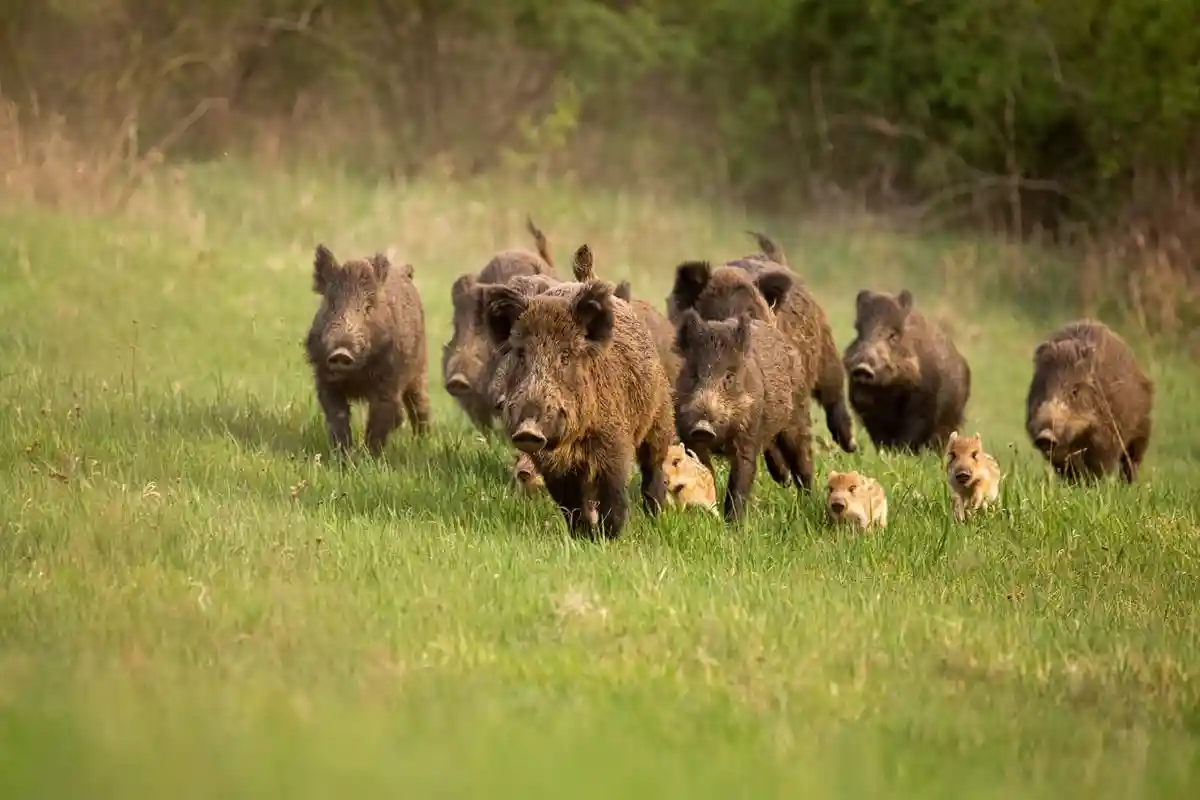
[[195, 603]]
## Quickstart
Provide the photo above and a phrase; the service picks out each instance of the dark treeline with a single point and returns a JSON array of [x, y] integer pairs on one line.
[[1022, 112]]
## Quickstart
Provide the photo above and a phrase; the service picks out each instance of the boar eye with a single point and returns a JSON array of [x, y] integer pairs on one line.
[[564, 359], [729, 379], [975, 455], [853, 488], [894, 337]]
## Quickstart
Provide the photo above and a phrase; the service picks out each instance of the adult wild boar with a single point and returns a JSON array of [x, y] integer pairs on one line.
[[586, 395], [367, 342], [465, 357], [742, 387], [908, 383], [765, 286], [1089, 404]]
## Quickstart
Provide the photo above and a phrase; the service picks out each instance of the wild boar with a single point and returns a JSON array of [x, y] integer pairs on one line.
[[466, 356], [367, 342], [972, 474], [1089, 404], [855, 499], [689, 482], [729, 290], [586, 396], [908, 383], [742, 388]]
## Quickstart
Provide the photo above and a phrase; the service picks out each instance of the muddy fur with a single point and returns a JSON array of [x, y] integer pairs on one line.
[[909, 384], [586, 397], [1089, 407], [742, 388], [367, 342]]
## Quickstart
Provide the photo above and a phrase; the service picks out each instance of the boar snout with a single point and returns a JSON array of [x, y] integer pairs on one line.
[[458, 385], [1045, 440], [837, 506], [340, 358], [862, 372], [524, 474], [963, 476], [703, 432], [528, 437]]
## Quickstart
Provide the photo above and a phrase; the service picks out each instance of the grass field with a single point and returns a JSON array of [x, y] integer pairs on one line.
[[195, 603]]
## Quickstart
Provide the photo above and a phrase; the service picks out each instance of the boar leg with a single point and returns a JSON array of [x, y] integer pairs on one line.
[[479, 411], [777, 464], [383, 417], [742, 466], [795, 442], [612, 501], [914, 430], [416, 405], [651, 454], [567, 492], [1131, 459], [336, 408]]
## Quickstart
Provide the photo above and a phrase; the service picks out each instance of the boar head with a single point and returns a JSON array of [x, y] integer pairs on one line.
[[882, 352], [716, 388], [354, 319]]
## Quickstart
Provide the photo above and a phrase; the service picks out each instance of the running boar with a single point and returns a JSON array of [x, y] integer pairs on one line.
[[689, 482], [1089, 404], [465, 358], [908, 383], [586, 396], [856, 499], [367, 342], [972, 474], [764, 285], [742, 388]]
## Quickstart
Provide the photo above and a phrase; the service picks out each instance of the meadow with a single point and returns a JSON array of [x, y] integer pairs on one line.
[[195, 602]]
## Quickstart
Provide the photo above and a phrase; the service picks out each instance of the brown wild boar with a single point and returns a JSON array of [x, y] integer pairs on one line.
[[972, 474], [856, 499], [367, 342], [586, 396], [742, 388], [1089, 404], [729, 290], [466, 357], [908, 383]]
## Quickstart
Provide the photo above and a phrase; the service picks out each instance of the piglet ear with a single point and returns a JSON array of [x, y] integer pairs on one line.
[[324, 268], [905, 299], [502, 307], [774, 285], [382, 265], [592, 309], [690, 279], [862, 300], [583, 266], [688, 330]]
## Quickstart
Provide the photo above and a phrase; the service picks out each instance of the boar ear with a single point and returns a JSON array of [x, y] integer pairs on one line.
[[593, 310], [462, 287], [381, 264], [741, 333], [324, 267], [689, 327], [624, 291], [690, 279], [905, 299], [581, 266], [861, 299], [502, 307], [774, 284]]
